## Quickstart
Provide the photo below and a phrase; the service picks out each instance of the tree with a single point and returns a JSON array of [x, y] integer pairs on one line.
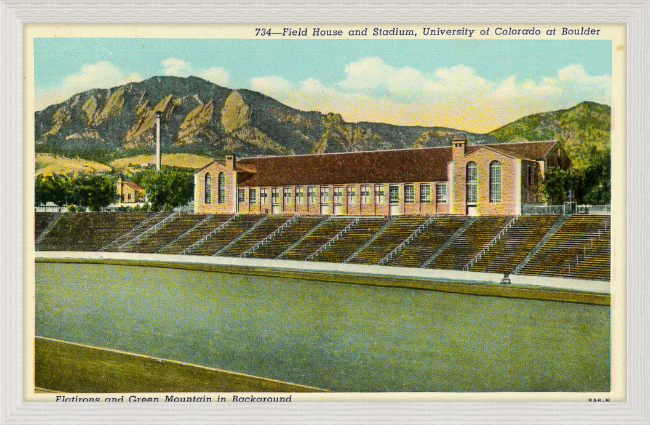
[[53, 188], [94, 192], [167, 188], [597, 179], [557, 183]]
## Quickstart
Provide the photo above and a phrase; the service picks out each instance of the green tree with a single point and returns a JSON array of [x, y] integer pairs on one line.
[[93, 192], [53, 188], [167, 188], [597, 178], [558, 183]]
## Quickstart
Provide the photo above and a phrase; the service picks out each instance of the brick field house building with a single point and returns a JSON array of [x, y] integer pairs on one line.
[[490, 179]]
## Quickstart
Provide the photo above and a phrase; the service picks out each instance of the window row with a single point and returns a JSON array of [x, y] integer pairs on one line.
[[340, 195]]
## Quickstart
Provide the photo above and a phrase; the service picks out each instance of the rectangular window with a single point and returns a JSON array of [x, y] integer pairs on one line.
[[365, 195], [393, 194], [379, 195], [441, 193], [324, 195], [275, 196], [425, 193], [286, 194], [351, 195], [313, 196], [338, 195], [300, 195], [252, 196], [264, 196], [409, 193], [241, 195]]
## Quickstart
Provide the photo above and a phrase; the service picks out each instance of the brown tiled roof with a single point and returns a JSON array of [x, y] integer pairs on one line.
[[537, 151], [393, 166], [134, 186], [408, 165]]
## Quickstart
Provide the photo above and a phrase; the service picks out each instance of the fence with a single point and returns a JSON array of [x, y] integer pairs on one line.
[[565, 209]]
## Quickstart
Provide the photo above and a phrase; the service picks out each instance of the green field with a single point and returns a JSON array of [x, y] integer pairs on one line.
[[76, 369], [330, 335]]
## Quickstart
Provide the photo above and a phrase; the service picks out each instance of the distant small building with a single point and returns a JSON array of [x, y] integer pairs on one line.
[[129, 192]]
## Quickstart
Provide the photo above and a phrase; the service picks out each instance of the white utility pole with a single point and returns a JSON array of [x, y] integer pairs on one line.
[[158, 141]]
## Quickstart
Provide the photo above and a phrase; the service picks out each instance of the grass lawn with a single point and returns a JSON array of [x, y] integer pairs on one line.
[[73, 368]]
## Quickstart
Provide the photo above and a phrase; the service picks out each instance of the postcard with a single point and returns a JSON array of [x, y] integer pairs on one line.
[[285, 213]]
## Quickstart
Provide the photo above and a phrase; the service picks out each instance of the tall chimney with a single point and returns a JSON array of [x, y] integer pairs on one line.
[[158, 141], [458, 147], [231, 160]]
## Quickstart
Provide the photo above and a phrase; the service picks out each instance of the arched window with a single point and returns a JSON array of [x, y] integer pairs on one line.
[[208, 188], [222, 188], [495, 181], [472, 180]]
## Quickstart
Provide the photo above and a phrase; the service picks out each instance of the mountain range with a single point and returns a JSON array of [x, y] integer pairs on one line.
[[201, 117]]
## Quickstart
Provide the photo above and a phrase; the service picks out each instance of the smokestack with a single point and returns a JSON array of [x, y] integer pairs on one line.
[[157, 141]]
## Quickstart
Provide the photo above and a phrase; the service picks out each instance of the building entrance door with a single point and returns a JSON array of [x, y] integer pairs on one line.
[[275, 201], [393, 201], [325, 208], [338, 200], [471, 210]]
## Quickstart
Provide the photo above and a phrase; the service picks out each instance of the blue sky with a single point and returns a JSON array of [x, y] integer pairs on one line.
[[475, 85]]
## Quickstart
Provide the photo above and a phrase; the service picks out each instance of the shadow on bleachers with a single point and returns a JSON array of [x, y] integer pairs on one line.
[[89, 231]]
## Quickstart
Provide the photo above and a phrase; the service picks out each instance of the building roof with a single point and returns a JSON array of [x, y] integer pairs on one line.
[[407, 165], [536, 151], [391, 166], [134, 186]]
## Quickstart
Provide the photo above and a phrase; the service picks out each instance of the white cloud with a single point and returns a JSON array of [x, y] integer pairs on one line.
[[102, 75], [176, 67], [271, 85], [215, 74], [180, 68], [455, 96]]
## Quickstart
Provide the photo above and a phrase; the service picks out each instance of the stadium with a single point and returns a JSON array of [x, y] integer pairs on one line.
[[303, 291]]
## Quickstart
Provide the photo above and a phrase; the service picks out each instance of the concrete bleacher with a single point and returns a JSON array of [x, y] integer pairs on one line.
[[171, 230], [516, 242], [317, 238], [123, 240], [232, 230], [423, 246], [469, 243], [579, 249], [595, 262], [388, 240], [88, 231], [183, 242], [265, 228], [41, 221], [288, 236], [358, 234]]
